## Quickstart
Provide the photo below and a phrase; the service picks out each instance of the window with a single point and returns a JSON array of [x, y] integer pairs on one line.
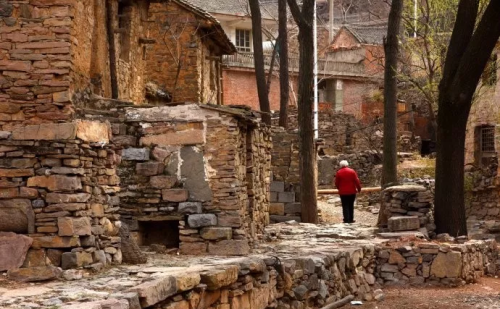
[[243, 40], [487, 139], [490, 72]]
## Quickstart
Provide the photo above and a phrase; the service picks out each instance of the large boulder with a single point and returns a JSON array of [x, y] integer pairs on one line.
[[13, 250]]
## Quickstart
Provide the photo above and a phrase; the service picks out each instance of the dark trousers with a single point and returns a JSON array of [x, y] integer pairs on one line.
[[348, 207]]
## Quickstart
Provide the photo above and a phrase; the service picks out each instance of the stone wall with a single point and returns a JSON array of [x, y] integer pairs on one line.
[[409, 207], [201, 170], [35, 62], [59, 187], [434, 263]]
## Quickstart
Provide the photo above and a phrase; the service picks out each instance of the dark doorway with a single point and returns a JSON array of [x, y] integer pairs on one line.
[[428, 147], [159, 232]]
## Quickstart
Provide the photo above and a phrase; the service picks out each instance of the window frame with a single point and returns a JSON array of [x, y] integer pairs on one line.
[[247, 47]]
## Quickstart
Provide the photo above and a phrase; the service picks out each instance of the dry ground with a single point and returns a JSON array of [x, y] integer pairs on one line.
[[483, 295]]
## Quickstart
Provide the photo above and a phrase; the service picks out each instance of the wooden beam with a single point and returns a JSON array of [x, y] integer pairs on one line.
[[364, 190], [147, 41]]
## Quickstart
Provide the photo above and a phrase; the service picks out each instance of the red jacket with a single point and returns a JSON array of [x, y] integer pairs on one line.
[[347, 181]]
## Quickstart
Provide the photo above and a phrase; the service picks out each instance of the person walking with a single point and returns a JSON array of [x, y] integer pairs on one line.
[[348, 184]]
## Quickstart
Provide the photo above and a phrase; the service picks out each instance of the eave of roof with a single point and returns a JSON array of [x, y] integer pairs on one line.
[[220, 35]]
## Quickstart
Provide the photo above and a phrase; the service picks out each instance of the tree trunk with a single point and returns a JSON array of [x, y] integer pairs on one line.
[[258, 51], [391, 48], [283, 56], [390, 155], [469, 50], [271, 67], [307, 159], [450, 210]]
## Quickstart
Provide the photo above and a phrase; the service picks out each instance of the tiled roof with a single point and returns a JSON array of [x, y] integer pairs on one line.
[[369, 34], [269, 8], [219, 35]]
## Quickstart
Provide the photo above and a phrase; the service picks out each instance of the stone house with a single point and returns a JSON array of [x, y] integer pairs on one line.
[[69, 167], [185, 60]]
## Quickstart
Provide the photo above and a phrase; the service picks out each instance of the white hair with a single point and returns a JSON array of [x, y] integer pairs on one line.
[[344, 163]]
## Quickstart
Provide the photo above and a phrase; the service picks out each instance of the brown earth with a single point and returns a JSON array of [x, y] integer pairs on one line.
[[483, 295]]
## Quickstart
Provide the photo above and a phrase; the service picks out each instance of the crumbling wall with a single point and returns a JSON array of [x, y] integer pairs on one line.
[[204, 168]]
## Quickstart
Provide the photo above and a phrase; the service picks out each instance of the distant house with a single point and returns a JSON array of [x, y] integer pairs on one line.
[[356, 88]]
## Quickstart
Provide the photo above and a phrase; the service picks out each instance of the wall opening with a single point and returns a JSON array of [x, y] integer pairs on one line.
[[159, 232], [484, 144]]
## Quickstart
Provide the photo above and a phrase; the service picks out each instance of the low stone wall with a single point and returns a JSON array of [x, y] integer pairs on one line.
[[409, 207], [252, 282], [284, 203], [433, 263]]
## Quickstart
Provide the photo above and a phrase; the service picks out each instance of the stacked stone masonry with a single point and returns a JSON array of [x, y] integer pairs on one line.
[[59, 186], [409, 208], [202, 170], [434, 263], [300, 281]]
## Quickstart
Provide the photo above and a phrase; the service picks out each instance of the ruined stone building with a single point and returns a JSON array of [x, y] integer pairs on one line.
[[76, 164]]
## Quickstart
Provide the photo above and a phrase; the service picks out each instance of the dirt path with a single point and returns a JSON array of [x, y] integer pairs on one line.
[[483, 295], [332, 212]]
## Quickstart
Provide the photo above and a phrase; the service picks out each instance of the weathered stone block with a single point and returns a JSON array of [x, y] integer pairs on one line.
[[149, 168], [153, 292], [162, 182], [229, 247], [48, 131], [92, 131], [277, 209], [193, 248], [135, 154], [13, 250], [188, 137], [55, 242], [202, 220], [57, 198], [186, 282], [231, 220], [447, 265], [56, 182], [35, 258], [34, 274], [74, 226], [216, 233], [286, 197], [403, 223], [174, 195], [276, 218], [16, 172], [277, 186], [190, 208], [215, 279], [17, 215], [293, 208]]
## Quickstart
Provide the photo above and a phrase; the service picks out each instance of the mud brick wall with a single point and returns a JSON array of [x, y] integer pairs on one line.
[[437, 264], [201, 170], [409, 207], [58, 186]]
